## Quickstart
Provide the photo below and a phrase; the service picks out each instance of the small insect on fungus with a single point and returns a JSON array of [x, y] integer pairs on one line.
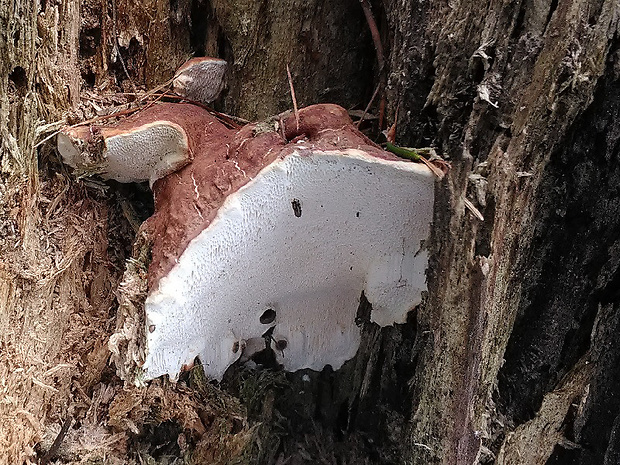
[[296, 207]]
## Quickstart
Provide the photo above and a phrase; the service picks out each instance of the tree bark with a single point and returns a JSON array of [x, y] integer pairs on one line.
[[508, 102], [513, 356]]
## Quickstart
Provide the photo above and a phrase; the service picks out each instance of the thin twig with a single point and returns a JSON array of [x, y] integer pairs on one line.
[[472, 209], [436, 171], [374, 31], [372, 99], [290, 83], [233, 122], [376, 38], [424, 446], [116, 46], [96, 119], [157, 88], [43, 141], [64, 429]]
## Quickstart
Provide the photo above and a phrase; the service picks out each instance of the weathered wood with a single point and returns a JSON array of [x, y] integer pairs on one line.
[[56, 281], [326, 47], [516, 342], [511, 80]]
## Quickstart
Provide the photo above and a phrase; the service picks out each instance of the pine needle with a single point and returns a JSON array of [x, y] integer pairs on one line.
[[470, 206], [411, 154], [290, 83], [372, 99]]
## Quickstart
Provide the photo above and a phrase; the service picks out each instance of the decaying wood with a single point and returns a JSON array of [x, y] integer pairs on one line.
[[516, 342], [326, 49], [511, 81], [49, 228]]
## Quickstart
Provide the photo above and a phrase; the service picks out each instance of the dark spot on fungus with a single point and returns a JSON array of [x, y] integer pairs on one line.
[[281, 344], [235, 347], [268, 316], [151, 328], [296, 207]]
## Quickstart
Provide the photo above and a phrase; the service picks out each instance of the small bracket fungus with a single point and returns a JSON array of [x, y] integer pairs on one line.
[[144, 147], [269, 235], [200, 79]]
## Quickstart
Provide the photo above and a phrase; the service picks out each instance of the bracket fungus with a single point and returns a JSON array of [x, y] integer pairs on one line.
[[154, 142], [144, 147], [276, 231], [200, 79]]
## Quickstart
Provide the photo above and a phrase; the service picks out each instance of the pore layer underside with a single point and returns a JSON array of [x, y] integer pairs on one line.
[[304, 238]]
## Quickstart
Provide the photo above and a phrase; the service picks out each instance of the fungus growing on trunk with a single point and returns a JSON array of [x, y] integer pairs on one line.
[[144, 147], [265, 235]]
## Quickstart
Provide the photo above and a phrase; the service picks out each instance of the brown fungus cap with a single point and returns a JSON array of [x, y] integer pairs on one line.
[[187, 201], [200, 79]]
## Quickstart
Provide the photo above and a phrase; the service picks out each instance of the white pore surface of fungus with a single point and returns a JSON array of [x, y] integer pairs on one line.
[[146, 153], [303, 239], [143, 153], [69, 153]]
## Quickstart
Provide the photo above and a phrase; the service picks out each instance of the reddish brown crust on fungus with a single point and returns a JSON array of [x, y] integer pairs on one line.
[[187, 201], [329, 127]]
